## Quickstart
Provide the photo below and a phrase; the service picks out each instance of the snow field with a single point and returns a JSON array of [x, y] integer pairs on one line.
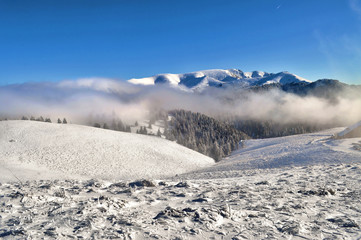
[[310, 202], [297, 187], [297, 150], [60, 150]]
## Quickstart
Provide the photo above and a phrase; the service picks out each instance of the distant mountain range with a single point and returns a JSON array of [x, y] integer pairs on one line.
[[199, 81], [253, 81]]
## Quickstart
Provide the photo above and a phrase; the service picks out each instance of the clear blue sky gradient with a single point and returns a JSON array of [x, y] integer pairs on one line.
[[56, 40]]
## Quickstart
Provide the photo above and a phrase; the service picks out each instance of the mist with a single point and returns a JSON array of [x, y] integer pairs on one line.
[[84, 101]]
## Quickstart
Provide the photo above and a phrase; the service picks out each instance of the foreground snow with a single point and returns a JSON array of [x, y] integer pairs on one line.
[[37, 150], [297, 187], [314, 202]]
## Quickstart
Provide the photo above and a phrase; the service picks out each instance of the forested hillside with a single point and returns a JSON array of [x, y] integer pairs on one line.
[[203, 134], [215, 137], [268, 129]]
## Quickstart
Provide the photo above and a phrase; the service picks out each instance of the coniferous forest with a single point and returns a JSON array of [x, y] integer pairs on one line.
[[203, 134]]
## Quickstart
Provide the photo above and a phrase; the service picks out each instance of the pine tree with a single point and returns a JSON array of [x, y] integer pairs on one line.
[[40, 119], [64, 121], [216, 152], [114, 126], [143, 130], [59, 121], [121, 126], [128, 129], [159, 134]]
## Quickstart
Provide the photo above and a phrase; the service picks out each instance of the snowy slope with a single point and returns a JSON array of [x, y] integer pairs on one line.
[[349, 129], [319, 199], [295, 187], [29, 148], [198, 81], [297, 150]]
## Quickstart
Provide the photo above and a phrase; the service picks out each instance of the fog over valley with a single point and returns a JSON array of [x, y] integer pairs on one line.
[[104, 99]]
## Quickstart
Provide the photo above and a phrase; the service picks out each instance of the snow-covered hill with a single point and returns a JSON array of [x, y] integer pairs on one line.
[[198, 81], [297, 150], [257, 193], [38, 150], [348, 130]]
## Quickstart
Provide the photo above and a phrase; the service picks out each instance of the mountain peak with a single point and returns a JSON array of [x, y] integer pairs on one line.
[[200, 80]]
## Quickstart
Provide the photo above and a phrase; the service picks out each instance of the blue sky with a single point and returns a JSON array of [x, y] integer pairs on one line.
[[57, 40]]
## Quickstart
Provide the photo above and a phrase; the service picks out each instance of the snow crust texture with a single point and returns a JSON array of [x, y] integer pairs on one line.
[[313, 202], [37, 150]]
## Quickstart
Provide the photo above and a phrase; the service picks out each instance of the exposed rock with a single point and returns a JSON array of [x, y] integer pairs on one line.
[[118, 185], [200, 200], [292, 228], [6, 233], [171, 212], [182, 185], [320, 192], [51, 232], [142, 183], [162, 183], [262, 183], [344, 222]]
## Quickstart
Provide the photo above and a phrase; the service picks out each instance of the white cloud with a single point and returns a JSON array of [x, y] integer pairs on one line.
[[85, 100]]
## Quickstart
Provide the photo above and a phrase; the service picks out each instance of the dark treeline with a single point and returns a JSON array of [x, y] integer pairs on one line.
[[116, 125], [203, 134], [269, 129], [324, 88], [32, 118]]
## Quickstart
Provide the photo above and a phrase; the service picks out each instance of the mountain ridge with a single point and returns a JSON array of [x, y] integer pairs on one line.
[[200, 80]]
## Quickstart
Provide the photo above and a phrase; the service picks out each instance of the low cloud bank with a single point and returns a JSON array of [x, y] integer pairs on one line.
[[85, 100]]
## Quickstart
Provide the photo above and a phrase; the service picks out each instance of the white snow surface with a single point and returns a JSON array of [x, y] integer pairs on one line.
[[38, 150], [349, 129], [198, 81], [297, 187], [290, 151]]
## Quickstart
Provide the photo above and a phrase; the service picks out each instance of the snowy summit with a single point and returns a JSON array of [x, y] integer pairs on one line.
[[198, 81]]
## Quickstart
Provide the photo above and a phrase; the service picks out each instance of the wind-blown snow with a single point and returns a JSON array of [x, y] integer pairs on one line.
[[90, 152]]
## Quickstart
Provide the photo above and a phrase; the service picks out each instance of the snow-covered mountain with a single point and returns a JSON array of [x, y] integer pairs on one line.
[[198, 81]]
